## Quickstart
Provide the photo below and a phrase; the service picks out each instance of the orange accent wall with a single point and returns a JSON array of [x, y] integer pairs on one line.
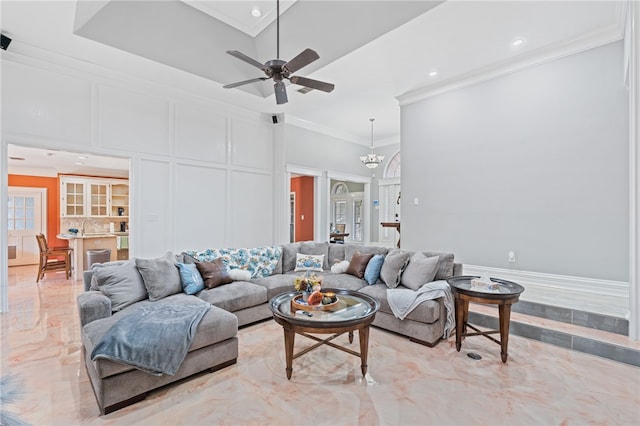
[[53, 202], [303, 188]]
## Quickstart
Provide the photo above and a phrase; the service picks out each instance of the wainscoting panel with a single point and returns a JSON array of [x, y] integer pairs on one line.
[[200, 133], [45, 104], [251, 144], [154, 207], [251, 209], [133, 122], [200, 216]]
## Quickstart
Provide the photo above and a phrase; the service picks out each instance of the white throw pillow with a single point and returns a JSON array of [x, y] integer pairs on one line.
[[340, 267], [239, 274], [309, 262]]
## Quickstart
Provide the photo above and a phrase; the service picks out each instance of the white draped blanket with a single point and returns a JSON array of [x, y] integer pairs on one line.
[[403, 300]]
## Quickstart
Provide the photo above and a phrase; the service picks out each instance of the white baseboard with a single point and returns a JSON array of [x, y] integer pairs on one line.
[[563, 282]]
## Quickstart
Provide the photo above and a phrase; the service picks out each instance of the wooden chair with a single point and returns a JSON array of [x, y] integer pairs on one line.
[[50, 258], [339, 234]]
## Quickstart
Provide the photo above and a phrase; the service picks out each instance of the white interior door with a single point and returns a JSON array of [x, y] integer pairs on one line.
[[27, 217]]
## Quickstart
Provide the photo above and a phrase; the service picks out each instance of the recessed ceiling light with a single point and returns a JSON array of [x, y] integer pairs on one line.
[[433, 73], [79, 163], [256, 12], [82, 157], [517, 42]]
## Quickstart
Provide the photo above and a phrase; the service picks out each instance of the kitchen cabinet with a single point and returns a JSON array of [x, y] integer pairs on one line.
[[93, 197]]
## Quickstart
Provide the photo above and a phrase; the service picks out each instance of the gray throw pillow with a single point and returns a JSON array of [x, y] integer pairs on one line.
[[94, 281], [122, 284], [445, 264], [420, 270], [393, 266], [161, 277]]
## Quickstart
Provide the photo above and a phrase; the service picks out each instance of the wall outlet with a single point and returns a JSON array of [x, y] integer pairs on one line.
[[512, 257]]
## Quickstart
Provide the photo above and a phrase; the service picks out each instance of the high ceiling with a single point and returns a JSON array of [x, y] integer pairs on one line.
[[373, 51]]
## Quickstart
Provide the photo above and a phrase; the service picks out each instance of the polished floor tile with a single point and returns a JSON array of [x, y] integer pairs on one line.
[[406, 383]]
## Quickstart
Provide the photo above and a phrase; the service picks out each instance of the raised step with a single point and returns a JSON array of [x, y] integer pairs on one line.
[[587, 332]]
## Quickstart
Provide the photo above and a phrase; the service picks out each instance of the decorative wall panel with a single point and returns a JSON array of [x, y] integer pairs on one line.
[[45, 104], [200, 207], [201, 134], [133, 122], [252, 144]]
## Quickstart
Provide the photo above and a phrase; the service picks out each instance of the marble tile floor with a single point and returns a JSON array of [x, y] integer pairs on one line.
[[406, 384]]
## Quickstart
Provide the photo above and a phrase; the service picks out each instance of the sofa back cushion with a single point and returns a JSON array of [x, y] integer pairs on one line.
[[289, 252], [336, 253], [351, 249], [445, 264], [261, 261], [315, 248]]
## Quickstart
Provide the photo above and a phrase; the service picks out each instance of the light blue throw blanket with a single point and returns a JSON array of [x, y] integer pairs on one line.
[[154, 338], [404, 300]]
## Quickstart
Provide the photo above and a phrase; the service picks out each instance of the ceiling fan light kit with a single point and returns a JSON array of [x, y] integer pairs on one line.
[[371, 160], [279, 70]]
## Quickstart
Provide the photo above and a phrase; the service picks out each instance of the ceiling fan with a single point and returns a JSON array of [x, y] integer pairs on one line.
[[279, 70]]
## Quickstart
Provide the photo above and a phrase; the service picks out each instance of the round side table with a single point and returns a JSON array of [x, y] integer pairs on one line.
[[506, 294]]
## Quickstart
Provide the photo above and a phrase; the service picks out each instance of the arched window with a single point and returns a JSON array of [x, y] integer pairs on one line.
[[340, 188], [393, 166]]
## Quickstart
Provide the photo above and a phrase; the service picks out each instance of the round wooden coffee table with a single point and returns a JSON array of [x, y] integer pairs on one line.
[[353, 311], [504, 296]]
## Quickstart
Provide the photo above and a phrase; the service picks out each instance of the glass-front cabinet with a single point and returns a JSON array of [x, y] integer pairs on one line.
[[93, 197], [72, 197]]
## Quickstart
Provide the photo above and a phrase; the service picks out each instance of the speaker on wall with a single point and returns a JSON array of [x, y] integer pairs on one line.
[[4, 41], [274, 118]]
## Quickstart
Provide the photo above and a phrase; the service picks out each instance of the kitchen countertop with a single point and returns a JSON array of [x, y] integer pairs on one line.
[[70, 236]]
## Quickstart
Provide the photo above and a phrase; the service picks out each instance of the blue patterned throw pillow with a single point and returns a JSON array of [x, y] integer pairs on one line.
[[309, 262], [192, 281], [260, 261], [372, 273]]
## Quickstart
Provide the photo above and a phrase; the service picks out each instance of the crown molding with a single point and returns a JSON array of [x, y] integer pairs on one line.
[[612, 33]]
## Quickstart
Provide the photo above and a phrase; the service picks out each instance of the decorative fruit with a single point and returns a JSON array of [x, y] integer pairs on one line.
[[315, 298]]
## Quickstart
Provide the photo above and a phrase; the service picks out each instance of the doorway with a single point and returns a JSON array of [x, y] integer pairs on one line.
[[27, 216], [347, 212]]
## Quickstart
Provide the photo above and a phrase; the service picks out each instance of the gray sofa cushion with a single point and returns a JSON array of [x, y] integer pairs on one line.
[[217, 325], [445, 264], [235, 296], [394, 264], [345, 281], [336, 252], [426, 312], [350, 249], [276, 284], [122, 284], [315, 248], [289, 252]]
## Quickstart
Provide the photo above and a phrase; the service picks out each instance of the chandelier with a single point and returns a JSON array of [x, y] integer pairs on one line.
[[372, 160]]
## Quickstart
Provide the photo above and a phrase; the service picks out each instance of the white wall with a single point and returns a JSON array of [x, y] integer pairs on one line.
[[202, 173], [535, 162]]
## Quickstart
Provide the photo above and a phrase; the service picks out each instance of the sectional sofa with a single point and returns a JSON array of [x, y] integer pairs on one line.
[[235, 304]]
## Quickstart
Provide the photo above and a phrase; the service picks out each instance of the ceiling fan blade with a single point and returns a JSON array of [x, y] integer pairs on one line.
[[302, 60], [314, 84], [240, 83], [247, 59], [281, 93]]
